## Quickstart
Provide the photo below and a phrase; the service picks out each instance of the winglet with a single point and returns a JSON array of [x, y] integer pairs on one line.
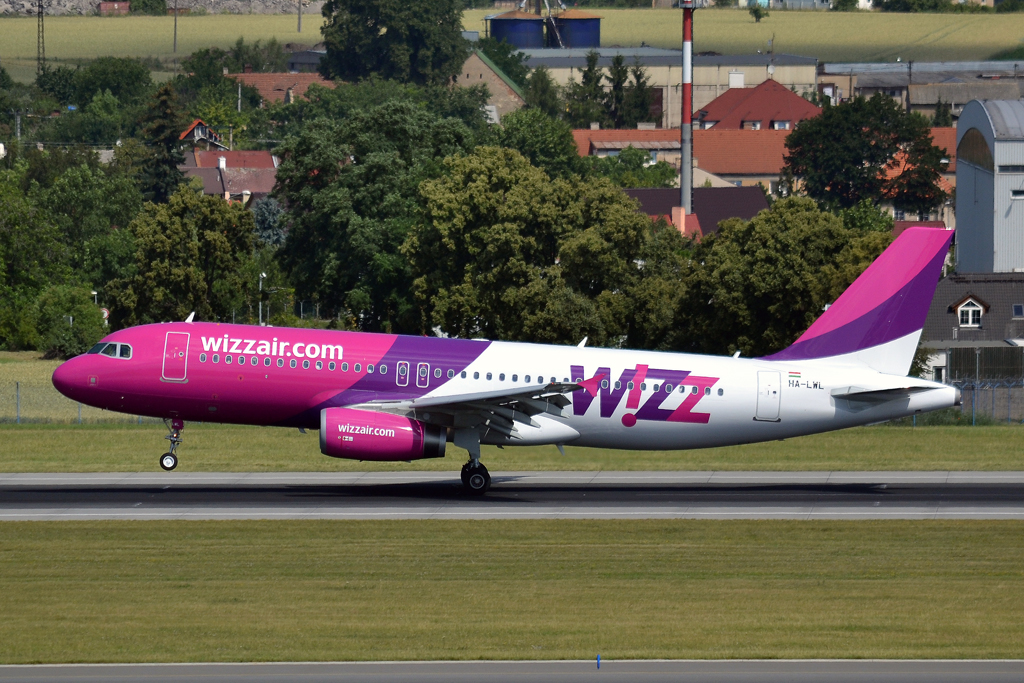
[[190, 317], [582, 343], [591, 384]]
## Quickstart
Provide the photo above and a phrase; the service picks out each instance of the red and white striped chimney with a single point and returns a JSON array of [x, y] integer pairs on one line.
[[686, 160]]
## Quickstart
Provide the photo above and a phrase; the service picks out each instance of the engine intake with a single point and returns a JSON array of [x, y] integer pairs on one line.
[[368, 435]]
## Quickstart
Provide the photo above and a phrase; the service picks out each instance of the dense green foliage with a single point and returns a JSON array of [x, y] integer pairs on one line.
[[511, 61], [755, 286], [506, 252], [399, 208], [190, 255], [867, 149], [410, 42], [351, 188]]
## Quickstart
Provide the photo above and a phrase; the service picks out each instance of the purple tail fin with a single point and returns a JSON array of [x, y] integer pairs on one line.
[[881, 315]]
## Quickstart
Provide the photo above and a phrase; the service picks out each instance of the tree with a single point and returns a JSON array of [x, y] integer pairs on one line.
[[542, 92], [866, 217], [350, 186], [504, 251], [32, 256], [546, 142], [191, 254], [758, 13], [126, 79], [162, 130], [507, 58], [269, 218], [755, 286], [632, 167], [584, 101], [943, 115], [866, 149], [409, 42], [844, 5], [69, 323], [615, 97], [639, 99], [58, 83], [6, 82]]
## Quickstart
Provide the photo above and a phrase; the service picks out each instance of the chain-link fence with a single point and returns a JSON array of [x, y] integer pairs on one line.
[[992, 400], [33, 401]]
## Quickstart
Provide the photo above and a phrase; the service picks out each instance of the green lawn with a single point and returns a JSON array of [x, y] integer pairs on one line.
[[219, 448], [829, 36], [320, 590]]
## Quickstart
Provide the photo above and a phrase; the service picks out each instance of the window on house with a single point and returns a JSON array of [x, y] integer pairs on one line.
[[780, 125], [899, 215], [752, 125], [970, 314], [1018, 310], [1016, 194]]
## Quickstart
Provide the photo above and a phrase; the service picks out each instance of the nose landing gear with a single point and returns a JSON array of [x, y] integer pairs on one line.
[[168, 461]]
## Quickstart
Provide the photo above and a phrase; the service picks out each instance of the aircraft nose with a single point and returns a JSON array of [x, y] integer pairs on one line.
[[70, 378]]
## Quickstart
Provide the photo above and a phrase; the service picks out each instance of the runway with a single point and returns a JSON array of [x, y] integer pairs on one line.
[[514, 495], [749, 671]]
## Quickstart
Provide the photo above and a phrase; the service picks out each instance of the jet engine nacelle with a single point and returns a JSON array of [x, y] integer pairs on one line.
[[368, 435]]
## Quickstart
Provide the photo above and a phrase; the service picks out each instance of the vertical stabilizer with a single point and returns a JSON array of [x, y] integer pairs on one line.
[[878, 320]]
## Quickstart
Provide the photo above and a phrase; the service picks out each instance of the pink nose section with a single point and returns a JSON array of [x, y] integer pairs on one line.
[[68, 379]]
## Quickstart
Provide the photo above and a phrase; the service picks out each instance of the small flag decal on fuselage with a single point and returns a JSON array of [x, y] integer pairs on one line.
[[794, 375]]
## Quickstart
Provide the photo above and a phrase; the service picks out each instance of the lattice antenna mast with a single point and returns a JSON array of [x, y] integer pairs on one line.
[[40, 39]]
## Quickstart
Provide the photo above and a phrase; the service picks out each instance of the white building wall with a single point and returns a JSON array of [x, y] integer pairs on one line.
[[1008, 233]]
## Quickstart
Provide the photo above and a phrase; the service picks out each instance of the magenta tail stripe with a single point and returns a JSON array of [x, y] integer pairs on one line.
[[888, 301]]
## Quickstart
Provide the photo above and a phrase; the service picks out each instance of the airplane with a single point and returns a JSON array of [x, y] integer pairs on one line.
[[381, 397]]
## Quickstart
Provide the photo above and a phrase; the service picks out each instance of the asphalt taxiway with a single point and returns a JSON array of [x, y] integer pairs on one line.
[[515, 495], [744, 671]]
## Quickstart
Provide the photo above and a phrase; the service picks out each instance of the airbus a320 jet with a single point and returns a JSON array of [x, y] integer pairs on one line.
[[387, 397]]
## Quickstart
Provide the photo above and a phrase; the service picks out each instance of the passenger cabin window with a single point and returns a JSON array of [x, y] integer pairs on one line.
[[1018, 310]]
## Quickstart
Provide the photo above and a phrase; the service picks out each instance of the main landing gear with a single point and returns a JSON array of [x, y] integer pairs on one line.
[[475, 478], [168, 461]]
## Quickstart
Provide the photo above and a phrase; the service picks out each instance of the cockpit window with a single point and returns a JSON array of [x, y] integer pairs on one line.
[[112, 349]]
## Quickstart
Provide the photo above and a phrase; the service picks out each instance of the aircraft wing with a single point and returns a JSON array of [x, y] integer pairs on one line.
[[495, 410]]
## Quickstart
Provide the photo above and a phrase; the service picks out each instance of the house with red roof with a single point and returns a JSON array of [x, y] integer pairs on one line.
[[198, 133], [768, 106], [281, 87]]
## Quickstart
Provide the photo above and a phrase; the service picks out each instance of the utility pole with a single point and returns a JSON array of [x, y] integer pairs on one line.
[[40, 39], [686, 146], [175, 27], [300, 16]]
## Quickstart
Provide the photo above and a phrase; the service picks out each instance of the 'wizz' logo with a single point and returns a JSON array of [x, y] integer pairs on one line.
[[611, 393]]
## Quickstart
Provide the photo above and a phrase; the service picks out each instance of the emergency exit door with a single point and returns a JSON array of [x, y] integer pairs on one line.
[[769, 385], [175, 356]]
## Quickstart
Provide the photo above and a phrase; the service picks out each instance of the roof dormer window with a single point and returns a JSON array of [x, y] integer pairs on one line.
[[780, 125], [969, 313]]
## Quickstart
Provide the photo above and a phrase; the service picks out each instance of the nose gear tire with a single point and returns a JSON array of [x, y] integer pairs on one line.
[[168, 461]]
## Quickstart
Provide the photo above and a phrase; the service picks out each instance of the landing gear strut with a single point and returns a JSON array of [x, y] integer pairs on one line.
[[168, 461], [475, 477]]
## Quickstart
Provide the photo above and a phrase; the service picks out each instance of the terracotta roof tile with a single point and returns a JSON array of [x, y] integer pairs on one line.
[[740, 152], [769, 101], [273, 87]]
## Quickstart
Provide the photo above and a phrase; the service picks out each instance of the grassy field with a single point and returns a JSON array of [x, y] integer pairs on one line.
[[216, 448], [272, 591], [857, 36]]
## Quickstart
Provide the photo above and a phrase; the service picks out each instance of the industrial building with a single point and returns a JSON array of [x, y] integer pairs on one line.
[[990, 187]]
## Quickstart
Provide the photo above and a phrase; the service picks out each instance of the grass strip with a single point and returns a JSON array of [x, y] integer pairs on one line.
[[226, 448], [847, 36], [326, 590]]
